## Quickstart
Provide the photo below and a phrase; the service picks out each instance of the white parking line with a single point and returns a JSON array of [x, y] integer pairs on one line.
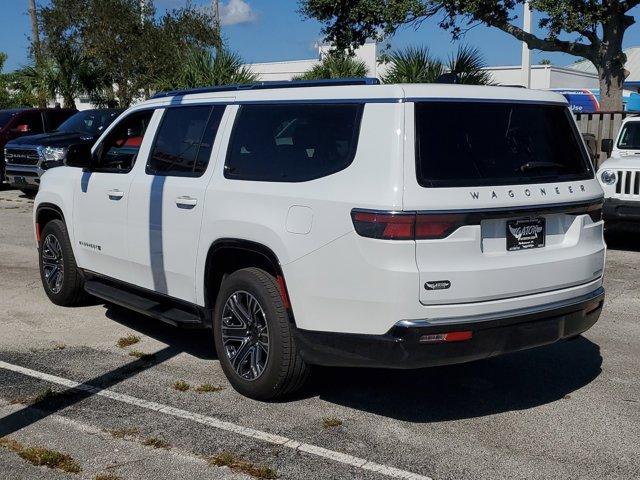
[[222, 425]]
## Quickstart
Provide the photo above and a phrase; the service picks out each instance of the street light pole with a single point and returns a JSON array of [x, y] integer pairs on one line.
[[526, 53], [35, 31]]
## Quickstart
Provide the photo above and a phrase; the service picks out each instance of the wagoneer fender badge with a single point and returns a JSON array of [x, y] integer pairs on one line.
[[437, 285]]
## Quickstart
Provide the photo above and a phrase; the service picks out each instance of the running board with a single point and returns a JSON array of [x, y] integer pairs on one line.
[[165, 310]]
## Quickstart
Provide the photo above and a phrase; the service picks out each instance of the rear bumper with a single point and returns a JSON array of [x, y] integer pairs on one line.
[[621, 210], [492, 335]]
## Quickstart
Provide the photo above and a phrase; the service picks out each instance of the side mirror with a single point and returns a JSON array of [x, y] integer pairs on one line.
[[79, 156], [607, 146], [22, 128]]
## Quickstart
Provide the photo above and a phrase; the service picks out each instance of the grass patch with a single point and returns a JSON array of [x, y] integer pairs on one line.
[[42, 456], [147, 357], [331, 422], [124, 432], [207, 388], [59, 346], [128, 341], [45, 395], [226, 459], [181, 386], [155, 443]]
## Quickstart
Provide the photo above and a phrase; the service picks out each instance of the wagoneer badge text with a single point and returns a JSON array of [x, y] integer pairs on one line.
[[527, 192], [438, 285], [92, 246]]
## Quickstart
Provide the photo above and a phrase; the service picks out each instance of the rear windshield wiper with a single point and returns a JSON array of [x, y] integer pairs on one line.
[[539, 166]]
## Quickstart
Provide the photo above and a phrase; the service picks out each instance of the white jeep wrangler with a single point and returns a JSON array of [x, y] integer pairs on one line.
[[339, 224], [620, 175]]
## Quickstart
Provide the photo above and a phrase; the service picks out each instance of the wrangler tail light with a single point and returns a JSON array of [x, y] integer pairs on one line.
[[405, 225]]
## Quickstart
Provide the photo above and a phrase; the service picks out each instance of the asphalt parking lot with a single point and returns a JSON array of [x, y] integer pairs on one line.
[[571, 410]]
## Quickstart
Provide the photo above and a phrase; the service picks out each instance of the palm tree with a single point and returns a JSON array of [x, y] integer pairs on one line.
[[200, 68], [413, 65], [336, 66], [416, 65], [468, 65]]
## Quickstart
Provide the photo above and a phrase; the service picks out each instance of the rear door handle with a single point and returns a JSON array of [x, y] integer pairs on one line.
[[186, 201], [115, 194]]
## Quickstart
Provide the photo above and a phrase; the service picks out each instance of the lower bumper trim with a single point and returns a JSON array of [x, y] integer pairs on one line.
[[621, 210], [401, 347]]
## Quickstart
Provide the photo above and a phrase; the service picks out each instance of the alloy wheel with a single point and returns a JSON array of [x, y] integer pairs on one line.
[[245, 335], [52, 263]]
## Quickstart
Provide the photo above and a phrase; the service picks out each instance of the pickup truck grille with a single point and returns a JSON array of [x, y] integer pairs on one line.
[[21, 156], [628, 185]]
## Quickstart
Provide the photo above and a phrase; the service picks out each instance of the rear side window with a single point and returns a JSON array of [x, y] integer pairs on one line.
[[292, 143], [477, 143], [184, 140]]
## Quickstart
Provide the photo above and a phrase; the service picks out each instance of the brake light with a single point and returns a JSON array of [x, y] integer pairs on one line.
[[388, 226], [405, 226]]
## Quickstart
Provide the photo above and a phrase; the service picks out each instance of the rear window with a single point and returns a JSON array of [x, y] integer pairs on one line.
[[630, 136], [479, 143], [292, 143]]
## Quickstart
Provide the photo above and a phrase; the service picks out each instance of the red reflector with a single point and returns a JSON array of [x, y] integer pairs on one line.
[[283, 292], [446, 337], [38, 233]]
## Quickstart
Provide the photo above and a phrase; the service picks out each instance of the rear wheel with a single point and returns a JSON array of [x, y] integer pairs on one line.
[[253, 336], [58, 270]]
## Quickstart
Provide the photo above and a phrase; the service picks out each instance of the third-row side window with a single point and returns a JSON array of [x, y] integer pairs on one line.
[[184, 140], [292, 142]]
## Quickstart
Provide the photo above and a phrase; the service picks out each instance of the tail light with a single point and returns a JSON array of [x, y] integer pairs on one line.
[[447, 337], [405, 226]]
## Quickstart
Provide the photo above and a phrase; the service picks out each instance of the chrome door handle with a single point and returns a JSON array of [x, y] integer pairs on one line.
[[115, 194], [186, 201]]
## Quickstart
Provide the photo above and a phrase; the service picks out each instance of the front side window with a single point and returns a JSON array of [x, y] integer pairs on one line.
[[184, 141], [630, 136], [30, 122], [118, 151], [481, 143], [292, 143]]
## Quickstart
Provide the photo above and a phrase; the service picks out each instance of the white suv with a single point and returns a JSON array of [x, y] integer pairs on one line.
[[341, 224], [620, 175]]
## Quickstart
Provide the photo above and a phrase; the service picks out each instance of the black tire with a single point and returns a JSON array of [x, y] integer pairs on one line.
[[283, 371], [69, 290]]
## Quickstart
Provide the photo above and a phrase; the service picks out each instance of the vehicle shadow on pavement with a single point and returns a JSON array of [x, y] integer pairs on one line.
[[512, 382], [623, 238], [47, 406], [196, 342]]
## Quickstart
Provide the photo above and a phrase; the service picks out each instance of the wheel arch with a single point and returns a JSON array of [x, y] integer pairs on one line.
[[45, 212], [227, 255]]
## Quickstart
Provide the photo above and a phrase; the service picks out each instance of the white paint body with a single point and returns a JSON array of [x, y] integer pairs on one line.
[[337, 280]]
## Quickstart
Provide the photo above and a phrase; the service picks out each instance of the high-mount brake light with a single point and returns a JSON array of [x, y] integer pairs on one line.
[[404, 226]]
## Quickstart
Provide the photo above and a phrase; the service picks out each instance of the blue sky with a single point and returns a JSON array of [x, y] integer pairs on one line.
[[272, 30]]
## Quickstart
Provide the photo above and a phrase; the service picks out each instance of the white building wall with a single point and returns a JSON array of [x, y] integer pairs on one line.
[[544, 76]]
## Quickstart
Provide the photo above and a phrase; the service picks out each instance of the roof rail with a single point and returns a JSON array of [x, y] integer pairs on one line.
[[334, 82]]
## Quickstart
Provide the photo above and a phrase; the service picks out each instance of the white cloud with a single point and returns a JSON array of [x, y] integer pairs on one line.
[[235, 12]]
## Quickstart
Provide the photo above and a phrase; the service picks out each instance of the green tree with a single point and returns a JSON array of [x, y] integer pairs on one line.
[[335, 65], [124, 42], [413, 65], [469, 66], [201, 68], [590, 29]]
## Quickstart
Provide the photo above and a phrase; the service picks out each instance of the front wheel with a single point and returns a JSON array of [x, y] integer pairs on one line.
[[58, 270], [254, 338]]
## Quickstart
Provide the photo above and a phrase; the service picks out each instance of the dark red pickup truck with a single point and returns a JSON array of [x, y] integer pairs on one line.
[[17, 122]]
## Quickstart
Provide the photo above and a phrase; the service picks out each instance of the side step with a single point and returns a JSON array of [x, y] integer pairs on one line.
[[164, 310]]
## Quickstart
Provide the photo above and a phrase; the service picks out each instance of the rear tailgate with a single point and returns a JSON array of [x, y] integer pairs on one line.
[[514, 230]]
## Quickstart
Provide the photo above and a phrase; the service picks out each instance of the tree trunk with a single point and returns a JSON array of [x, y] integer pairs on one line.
[[610, 66], [68, 101]]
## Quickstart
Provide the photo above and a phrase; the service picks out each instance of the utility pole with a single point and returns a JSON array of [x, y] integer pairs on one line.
[[216, 25], [526, 53], [35, 30]]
